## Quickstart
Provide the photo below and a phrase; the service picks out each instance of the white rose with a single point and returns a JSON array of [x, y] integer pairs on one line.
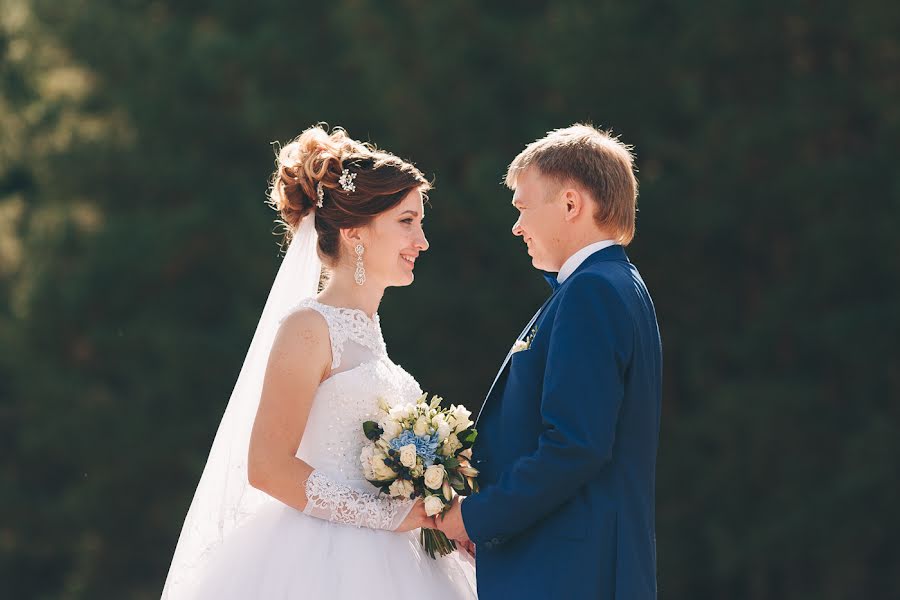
[[451, 445], [380, 470], [433, 505], [442, 427], [391, 428], [421, 426], [461, 414], [365, 457], [408, 455], [400, 412], [434, 476], [401, 488], [451, 421]]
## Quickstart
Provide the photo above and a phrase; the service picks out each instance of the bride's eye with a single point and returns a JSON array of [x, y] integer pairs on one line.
[[407, 220]]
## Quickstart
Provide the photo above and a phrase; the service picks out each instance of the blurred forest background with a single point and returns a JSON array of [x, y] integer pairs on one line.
[[136, 252]]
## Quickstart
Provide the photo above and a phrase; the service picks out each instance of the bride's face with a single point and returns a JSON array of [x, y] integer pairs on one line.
[[393, 241]]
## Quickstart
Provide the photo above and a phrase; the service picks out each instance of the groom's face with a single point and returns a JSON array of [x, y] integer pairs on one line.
[[541, 218]]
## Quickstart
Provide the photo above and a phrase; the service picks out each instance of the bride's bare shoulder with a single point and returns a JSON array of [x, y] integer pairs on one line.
[[305, 332]]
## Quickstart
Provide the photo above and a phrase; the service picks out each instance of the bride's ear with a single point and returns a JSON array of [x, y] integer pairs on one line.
[[351, 237]]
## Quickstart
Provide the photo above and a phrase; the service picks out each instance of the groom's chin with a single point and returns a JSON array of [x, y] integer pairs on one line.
[[537, 264]]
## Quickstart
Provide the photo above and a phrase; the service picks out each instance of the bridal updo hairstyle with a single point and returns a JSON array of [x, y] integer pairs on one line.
[[382, 180]]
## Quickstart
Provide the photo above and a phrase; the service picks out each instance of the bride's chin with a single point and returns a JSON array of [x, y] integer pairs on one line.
[[402, 279]]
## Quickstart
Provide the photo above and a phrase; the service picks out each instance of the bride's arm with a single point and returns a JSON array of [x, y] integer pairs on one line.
[[300, 359]]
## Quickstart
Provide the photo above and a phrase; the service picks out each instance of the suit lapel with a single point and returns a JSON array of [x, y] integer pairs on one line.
[[615, 252], [510, 353]]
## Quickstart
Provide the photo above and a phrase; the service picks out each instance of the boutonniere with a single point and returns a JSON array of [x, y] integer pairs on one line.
[[525, 344]]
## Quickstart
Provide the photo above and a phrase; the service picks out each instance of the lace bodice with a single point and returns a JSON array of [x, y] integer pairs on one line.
[[362, 373]]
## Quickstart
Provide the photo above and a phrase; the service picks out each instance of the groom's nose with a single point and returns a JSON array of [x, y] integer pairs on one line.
[[517, 228]]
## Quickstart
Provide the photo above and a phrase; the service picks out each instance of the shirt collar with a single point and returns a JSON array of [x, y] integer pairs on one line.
[[574, 261]]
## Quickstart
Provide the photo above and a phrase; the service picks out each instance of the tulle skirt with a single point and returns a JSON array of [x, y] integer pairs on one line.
[[282, 554]]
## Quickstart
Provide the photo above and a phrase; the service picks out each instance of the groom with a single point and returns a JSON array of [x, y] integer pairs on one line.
[[569, 430]]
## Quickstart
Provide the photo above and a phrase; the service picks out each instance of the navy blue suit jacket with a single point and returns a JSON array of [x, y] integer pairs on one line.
[[567, 446]]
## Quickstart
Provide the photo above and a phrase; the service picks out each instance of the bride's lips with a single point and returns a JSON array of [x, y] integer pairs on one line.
[[409, 259]]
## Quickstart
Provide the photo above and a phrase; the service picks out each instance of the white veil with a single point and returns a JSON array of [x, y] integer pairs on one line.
[[224, 497]]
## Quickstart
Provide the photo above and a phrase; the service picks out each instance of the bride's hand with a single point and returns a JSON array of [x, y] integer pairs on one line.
[[416, 518]]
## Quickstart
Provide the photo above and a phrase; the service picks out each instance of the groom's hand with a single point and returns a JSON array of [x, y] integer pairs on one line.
[[451, 522]]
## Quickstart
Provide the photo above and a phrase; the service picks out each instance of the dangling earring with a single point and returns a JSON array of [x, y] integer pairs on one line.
[[360, 275]]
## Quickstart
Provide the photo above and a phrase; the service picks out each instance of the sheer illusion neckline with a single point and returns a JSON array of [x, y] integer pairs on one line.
[[349, 324]]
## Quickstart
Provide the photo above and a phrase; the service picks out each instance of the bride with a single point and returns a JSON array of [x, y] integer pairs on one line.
[[282, 509]]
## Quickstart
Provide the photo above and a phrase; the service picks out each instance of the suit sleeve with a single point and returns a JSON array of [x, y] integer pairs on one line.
[[590, 346]]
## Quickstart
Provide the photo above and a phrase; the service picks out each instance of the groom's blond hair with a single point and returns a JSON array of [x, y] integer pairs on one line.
[[596, 161]]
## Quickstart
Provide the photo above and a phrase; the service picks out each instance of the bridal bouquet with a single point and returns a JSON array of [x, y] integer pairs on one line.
[[419, 450]]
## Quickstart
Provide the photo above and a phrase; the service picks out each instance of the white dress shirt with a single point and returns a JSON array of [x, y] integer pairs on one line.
[[574, 261]]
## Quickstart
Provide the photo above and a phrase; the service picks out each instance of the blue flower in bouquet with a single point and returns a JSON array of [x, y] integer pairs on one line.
[[426, 445]]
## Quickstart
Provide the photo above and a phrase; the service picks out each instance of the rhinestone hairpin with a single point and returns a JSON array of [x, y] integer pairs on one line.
[[320, 193], [346, 181]]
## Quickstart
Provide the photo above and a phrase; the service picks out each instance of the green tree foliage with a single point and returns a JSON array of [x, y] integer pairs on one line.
[[136, 252]]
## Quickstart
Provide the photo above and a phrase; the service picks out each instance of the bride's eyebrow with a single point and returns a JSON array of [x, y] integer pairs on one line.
[[411, 212]]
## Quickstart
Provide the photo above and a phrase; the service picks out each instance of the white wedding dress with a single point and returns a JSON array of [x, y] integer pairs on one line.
[[282, 553]]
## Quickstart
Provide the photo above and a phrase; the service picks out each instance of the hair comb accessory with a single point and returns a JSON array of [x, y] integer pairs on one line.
[[346, 181], [320, 193]]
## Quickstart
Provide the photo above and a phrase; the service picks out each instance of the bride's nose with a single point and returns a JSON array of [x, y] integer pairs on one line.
[[422, 243]]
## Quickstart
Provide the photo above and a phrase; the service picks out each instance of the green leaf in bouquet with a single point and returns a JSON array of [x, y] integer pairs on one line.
[[372, 431], [450, 462], [467, 438], [384, 486], [456, 480]]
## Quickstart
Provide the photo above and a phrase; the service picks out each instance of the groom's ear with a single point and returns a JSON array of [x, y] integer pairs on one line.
[[574, 202]]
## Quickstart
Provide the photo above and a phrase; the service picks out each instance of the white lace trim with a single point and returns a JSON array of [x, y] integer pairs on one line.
[[332, 501], [346, 324]]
